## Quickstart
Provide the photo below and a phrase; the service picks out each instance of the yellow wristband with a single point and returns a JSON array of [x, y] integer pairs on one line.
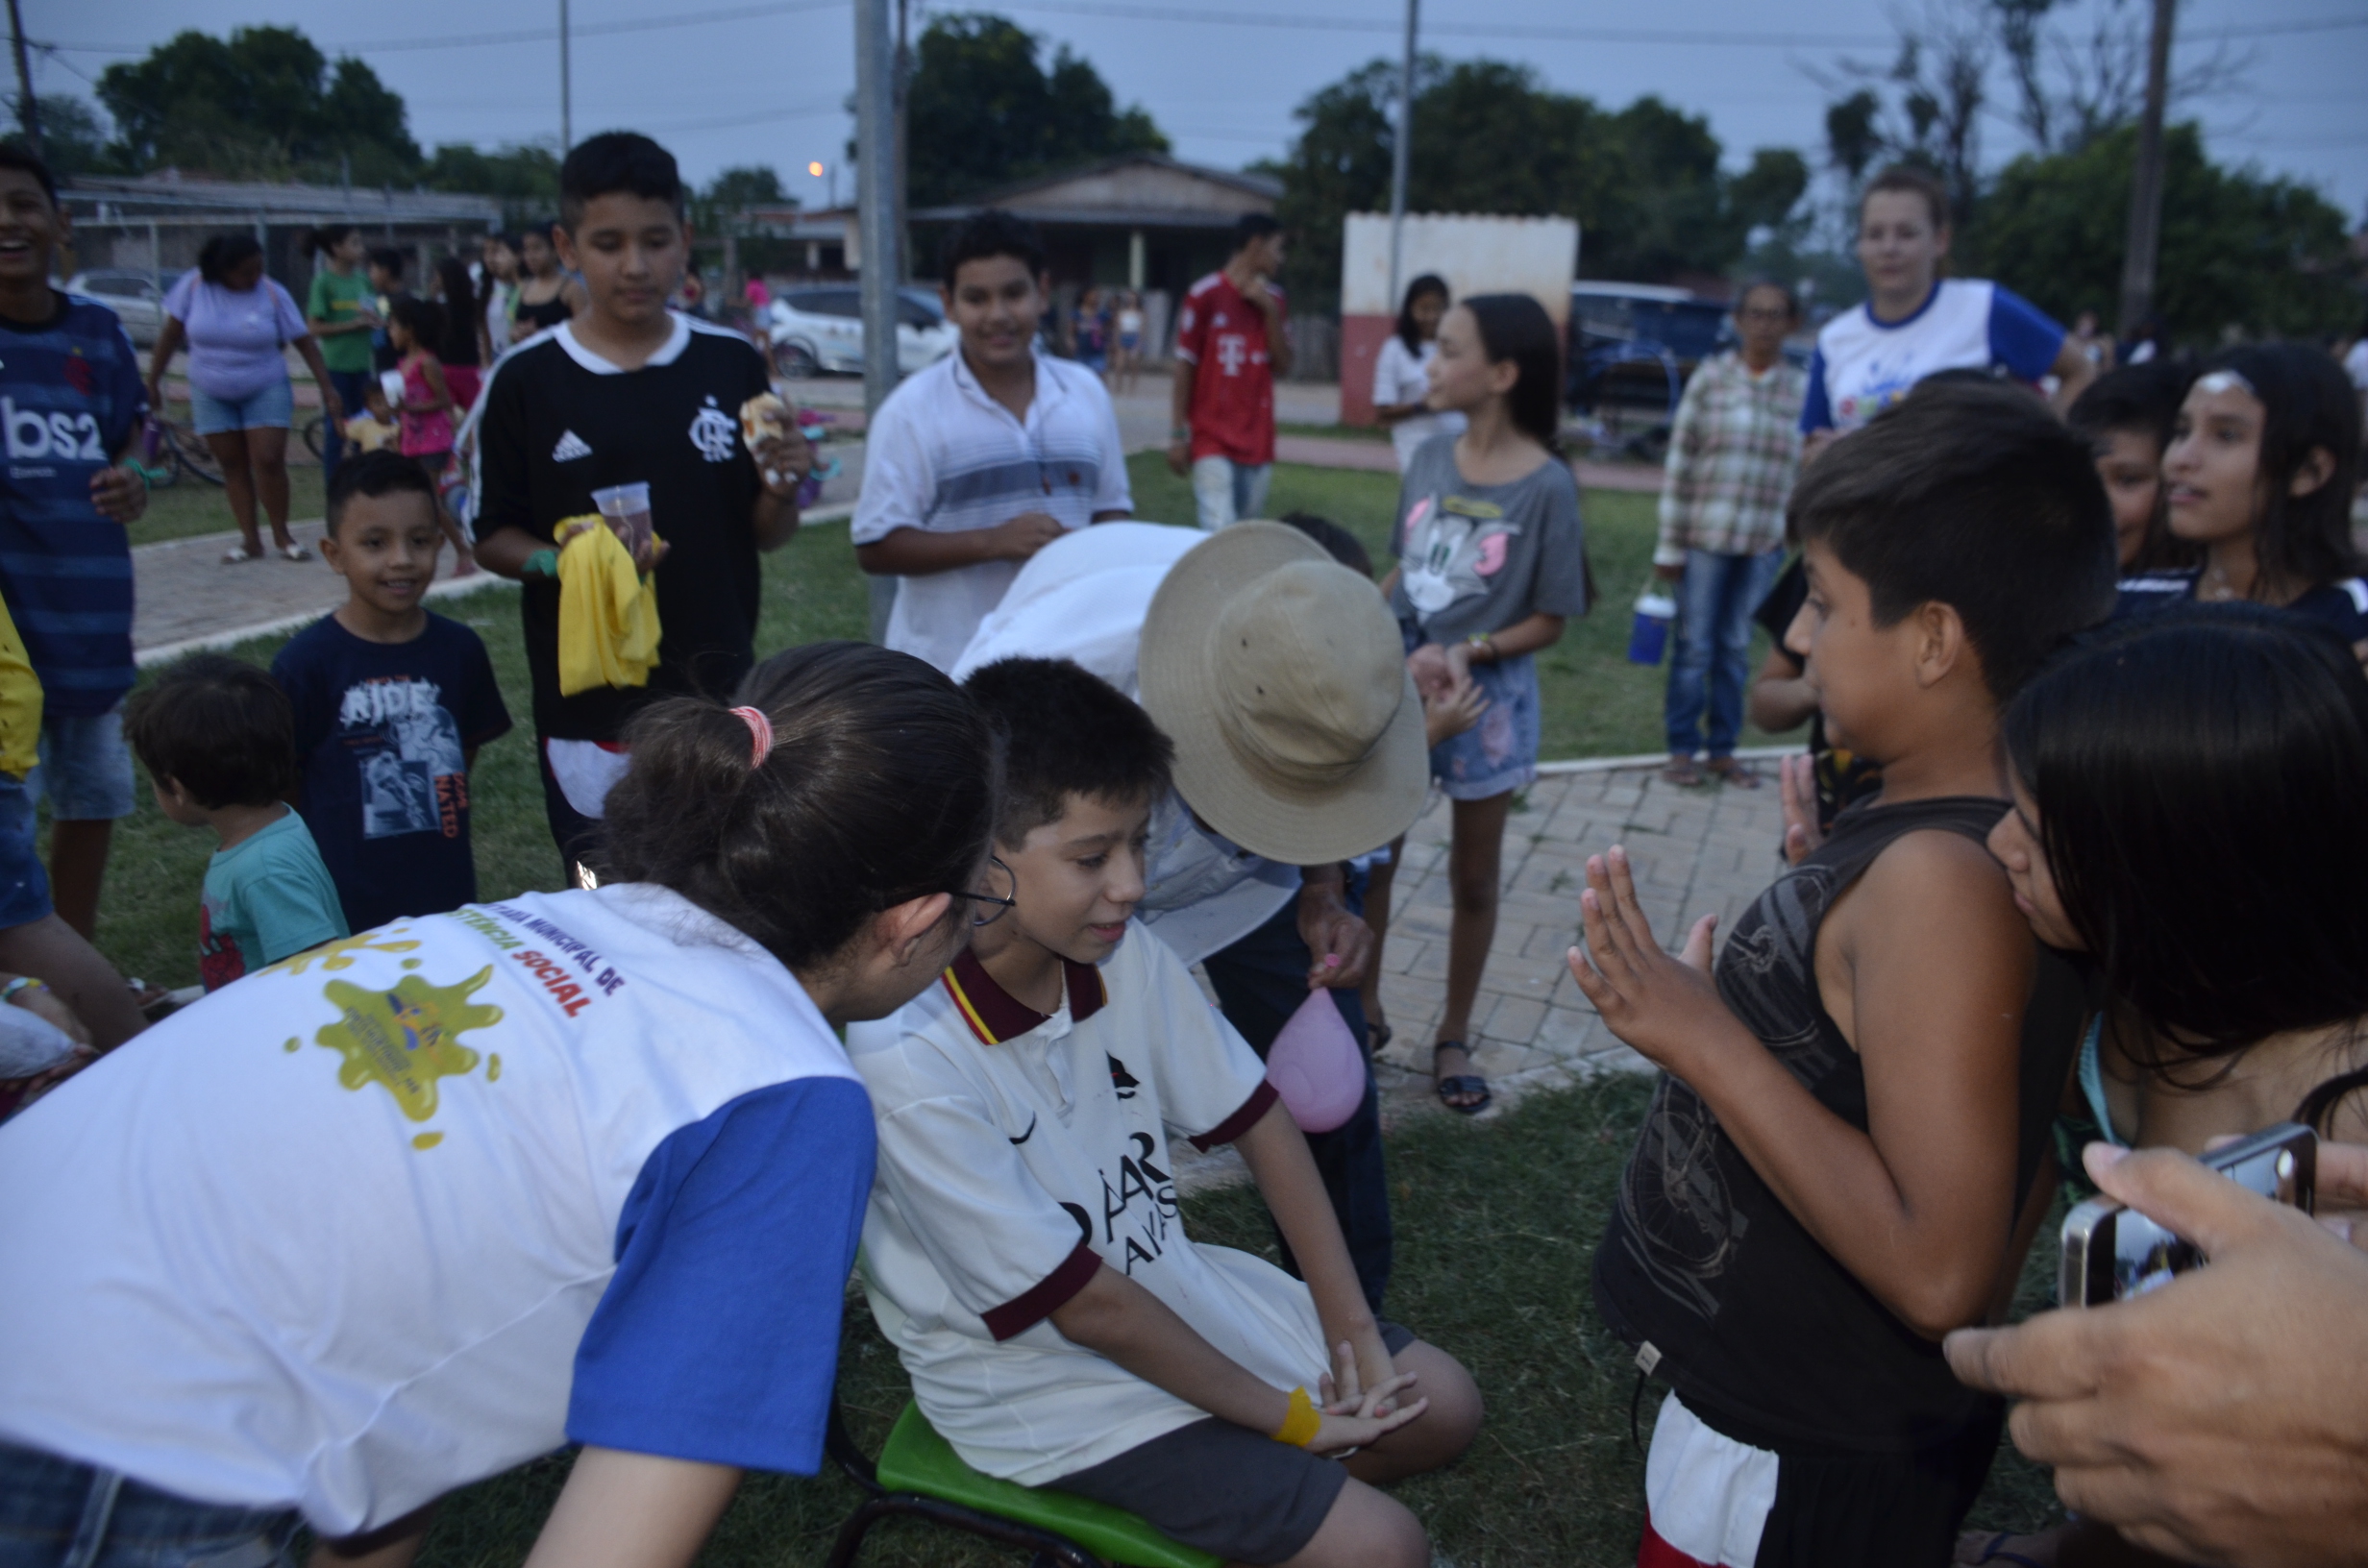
[[1299, 1427]]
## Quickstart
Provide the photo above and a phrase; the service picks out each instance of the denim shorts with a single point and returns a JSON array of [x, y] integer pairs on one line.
[[85, 766], [273, 408], [55, 1514], [1500, 753], [24, 885]]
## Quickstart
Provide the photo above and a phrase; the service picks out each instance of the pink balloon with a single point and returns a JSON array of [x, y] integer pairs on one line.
[[1313, 1063]]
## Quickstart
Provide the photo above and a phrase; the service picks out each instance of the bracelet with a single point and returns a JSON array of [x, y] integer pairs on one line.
[[1300, 1426], [1479, 642], [545, 562], [1179, 433], [23, 982]]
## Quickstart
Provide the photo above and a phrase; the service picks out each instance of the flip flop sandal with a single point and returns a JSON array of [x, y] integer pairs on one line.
[[1684, 774], [1994, 1553], [237, 556], [1463, 1083], [295, 552], [1741, 774], [1377, 1035]]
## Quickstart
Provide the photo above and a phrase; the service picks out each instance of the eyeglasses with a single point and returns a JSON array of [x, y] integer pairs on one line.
[[992, 904]]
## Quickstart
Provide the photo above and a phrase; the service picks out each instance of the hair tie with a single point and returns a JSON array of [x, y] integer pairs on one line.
[[760, 734]]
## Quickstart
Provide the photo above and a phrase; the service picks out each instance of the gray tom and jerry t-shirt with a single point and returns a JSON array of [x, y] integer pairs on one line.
[[1479, 557]]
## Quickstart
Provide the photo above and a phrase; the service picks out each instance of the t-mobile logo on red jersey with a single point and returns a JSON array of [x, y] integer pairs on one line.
[[1232, 353]]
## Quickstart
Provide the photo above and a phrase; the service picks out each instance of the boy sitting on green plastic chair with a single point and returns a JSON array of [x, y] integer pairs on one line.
[[1025, 1251]]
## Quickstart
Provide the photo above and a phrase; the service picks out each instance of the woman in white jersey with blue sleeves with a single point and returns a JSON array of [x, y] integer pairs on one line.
[[1916, 323], [399, 1213]]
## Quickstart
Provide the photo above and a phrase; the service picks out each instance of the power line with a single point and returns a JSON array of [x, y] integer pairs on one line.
[[1656, 37], [524, 35]]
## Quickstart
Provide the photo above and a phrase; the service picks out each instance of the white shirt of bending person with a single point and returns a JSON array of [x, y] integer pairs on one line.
[[1083, 598]]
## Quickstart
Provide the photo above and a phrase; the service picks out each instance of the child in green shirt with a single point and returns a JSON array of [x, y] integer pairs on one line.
[[218, 739], [341, 310]]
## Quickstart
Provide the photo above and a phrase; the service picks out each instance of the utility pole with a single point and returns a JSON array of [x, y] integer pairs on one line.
[[880, 218], [903, 156], [2137, 262], [1403, 143], [567, 89], [28, 113]]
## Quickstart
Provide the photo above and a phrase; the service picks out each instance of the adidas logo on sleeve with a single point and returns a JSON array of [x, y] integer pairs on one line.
[[569, 448]]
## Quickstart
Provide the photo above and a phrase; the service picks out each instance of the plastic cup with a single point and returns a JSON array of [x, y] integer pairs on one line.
[[1648, 635], [625, 508]]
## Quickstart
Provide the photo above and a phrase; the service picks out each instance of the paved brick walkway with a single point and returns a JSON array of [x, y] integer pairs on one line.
[[1696, 851], [1699, 851]]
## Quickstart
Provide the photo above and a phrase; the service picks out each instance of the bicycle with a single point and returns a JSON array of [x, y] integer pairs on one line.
[[171, 449]]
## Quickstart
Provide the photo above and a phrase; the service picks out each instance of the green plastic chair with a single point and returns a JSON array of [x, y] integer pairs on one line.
[[919, 1476]]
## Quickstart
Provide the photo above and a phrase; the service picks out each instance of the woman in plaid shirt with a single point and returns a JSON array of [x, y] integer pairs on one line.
[[1732, 453]]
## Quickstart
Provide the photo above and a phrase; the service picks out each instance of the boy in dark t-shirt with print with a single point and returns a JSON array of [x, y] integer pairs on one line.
[[630, 393], [390, 703]]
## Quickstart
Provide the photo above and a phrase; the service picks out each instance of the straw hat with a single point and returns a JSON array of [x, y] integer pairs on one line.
[[1281, 677]]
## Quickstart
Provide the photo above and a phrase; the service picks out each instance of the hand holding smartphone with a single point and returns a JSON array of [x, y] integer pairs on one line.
[[2111, 1252]]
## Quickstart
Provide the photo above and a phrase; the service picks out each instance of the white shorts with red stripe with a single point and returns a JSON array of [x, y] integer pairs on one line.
[[1707, 1497]]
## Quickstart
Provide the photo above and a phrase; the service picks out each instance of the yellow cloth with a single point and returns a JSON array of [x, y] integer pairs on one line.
[[20, 704], [608, 629]]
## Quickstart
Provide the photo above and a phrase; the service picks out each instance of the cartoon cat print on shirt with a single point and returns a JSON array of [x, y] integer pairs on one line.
[[1453, 546]]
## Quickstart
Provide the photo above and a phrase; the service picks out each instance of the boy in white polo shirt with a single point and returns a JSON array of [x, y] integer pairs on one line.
[[983, 459], [1025, 1251]]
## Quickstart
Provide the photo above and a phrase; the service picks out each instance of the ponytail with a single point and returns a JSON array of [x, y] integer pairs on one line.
[[321, 241], [878, 786]]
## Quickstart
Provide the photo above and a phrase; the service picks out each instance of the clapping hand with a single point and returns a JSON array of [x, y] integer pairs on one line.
[[1797, 787], [1664, 1006]]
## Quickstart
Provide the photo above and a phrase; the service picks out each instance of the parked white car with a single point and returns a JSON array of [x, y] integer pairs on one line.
[[820, 328], [133, 296]]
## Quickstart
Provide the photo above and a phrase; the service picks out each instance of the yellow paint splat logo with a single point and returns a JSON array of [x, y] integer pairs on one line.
[[406, 1039], [340, 953]]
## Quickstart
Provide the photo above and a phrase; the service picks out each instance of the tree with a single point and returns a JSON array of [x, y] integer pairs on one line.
[[525, 176], [2266, 255], [1644, 183], [73, 136], [748, 186], [262, 104], [981, 111]]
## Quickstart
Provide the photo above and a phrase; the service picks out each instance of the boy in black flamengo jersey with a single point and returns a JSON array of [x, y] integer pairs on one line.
[[630, 393], [1839, 1168]]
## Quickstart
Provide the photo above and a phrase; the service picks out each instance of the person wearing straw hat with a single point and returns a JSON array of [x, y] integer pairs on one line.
[[1300, 741]]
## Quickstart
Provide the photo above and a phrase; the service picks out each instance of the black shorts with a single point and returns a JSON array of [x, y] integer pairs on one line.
[[1224, 1488]]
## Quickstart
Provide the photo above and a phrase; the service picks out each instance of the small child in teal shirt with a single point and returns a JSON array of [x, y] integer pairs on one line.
[[219, 742]]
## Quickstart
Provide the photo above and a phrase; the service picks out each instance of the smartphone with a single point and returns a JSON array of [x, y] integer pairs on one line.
[[2110, 1251]]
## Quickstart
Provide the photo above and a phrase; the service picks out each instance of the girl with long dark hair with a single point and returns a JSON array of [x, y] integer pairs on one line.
[[2262, 469], [455, 345], [402, 1213], [1492, 561], [1401, 372], [2186, 812], [2188, 793]]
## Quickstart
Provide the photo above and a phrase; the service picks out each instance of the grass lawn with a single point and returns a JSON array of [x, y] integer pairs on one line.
[[1496, 1224], [1496, 1227], [1597, 703], [191, 506]]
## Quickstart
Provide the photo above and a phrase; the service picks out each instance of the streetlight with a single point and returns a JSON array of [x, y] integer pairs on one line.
[[815, 169]]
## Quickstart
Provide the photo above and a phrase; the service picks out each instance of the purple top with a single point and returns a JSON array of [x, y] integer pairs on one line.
[[234, 338]]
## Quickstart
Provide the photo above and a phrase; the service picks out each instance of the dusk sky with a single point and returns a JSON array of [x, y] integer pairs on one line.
[[765, 83]]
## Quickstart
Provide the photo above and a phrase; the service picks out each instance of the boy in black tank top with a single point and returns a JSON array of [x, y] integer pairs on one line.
[[1838, 1166]]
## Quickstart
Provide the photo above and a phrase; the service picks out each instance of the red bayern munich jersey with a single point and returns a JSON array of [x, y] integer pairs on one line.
[[1233, 392]]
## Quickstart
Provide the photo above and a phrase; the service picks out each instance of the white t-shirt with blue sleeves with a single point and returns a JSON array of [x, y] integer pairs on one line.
[[422, 1204], [1862, 365]]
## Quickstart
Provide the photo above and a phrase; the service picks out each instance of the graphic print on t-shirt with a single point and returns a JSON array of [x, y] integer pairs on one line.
[[414, 773], [713, 432], [1452, 546]]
